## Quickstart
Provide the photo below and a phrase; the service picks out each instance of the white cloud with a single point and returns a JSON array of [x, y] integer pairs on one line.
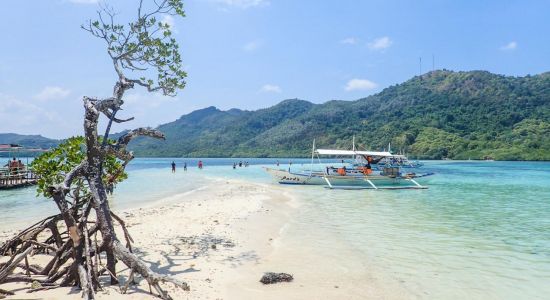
[[84, 1], [169, 20], [270, 88], [380, 43], [510, 46], [349, 41], [360, 85], [52, 93], [252, 46], [24, 117], [242, 3]]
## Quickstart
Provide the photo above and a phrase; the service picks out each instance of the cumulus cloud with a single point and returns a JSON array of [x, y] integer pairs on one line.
[[360, 85], [349, 41], [510, 46], [52, 93], [270, 88], [380, 43], [25, 117], [242, 3], [252, 46], [169, 20]]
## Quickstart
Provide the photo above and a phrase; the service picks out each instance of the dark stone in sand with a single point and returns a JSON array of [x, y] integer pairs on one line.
[[271, 277]]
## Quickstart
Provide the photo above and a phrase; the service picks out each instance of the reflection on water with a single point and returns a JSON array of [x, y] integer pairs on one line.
[[482, 229]]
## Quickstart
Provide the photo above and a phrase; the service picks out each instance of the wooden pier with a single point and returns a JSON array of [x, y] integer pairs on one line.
[[10, 179]]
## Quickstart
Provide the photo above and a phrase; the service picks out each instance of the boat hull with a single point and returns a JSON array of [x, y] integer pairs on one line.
[[286, 177], [318, 178]]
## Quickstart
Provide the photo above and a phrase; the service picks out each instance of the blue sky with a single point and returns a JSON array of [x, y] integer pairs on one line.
[[252, 54]]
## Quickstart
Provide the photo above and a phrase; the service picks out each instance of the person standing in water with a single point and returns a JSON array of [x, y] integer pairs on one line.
[[185, 166], [200, 164], [173, 167]]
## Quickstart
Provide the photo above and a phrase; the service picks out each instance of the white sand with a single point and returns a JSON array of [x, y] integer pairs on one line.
[[246, 224]]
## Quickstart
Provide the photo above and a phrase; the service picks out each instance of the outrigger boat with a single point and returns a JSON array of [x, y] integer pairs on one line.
[[358, 175]]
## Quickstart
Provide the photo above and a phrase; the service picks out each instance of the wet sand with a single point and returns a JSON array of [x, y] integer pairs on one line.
[[220, 239]]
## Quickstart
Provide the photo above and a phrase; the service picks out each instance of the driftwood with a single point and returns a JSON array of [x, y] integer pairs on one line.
[[4, 292], [10, 266], [270, 278], [42, 288], [81, 250]]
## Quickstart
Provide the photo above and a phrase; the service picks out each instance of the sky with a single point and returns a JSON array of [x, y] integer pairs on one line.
[[252, 54]]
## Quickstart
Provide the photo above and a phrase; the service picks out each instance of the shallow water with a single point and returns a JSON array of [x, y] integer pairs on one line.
[[482, 229]]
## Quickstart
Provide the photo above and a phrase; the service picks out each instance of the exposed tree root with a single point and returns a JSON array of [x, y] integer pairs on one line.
[[83, 271]]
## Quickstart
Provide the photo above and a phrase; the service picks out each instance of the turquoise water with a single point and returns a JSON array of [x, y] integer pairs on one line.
[[481, 231]]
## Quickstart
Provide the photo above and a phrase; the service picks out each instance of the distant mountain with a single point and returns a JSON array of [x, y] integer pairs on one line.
[[28, 141], [441, 114]]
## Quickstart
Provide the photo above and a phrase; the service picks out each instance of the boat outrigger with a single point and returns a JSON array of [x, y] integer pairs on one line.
[[359, 175]]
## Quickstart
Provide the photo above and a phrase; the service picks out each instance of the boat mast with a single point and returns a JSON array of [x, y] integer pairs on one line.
[[353, 147], [312, 155]]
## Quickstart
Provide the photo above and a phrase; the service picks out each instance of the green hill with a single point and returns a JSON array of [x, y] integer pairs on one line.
[[458, 115], [440, 114], [27, 141]]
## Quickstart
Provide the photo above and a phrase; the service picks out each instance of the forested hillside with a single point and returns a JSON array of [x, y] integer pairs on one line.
[[441, 114], [27, 141]]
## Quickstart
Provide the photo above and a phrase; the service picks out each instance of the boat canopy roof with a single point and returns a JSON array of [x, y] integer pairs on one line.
[[351, 152]]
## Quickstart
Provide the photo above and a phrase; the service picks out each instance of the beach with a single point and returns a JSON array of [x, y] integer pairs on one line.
[[220, 239], [220, 230]]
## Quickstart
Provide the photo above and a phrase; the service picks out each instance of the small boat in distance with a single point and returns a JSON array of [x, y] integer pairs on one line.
[[15, 173], [365, 172]]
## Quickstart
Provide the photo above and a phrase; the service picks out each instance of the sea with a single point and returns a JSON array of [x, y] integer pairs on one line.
[[481, 230]]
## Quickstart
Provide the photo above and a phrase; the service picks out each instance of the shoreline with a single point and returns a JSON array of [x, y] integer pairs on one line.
[[192, 236], [285, 158], [221, 238]]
